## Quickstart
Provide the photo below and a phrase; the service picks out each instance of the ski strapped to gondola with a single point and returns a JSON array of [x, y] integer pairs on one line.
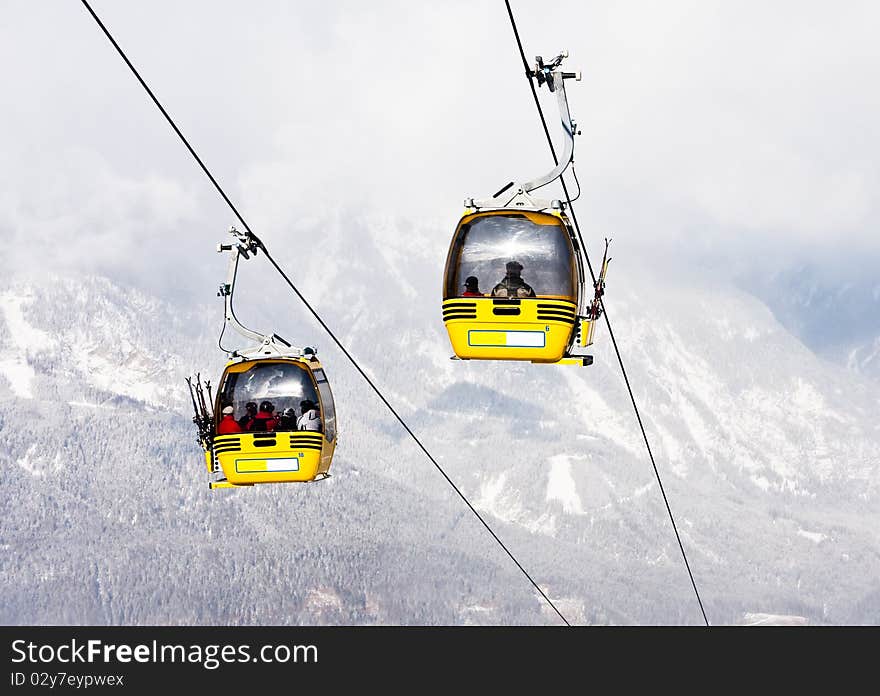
[[203, 416], [599, 286]]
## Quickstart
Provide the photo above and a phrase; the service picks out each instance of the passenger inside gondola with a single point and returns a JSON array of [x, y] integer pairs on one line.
[[512, 285], [228, 424], [310, 418], [246, 421], [471, 287], [265, 419], [265, 396], [287, 420]]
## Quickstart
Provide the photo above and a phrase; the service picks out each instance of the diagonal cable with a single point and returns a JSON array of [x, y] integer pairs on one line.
[[317, 316], [632, 397]]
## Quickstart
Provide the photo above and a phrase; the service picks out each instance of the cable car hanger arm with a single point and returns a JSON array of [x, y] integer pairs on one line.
[[246, 244], [556, 82], [517, 194]]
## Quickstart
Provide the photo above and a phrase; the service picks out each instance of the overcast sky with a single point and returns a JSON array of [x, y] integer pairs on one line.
[[726, 130]]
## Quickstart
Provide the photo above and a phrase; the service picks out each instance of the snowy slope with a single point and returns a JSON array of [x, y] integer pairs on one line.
[[94, 338], [770, 456]]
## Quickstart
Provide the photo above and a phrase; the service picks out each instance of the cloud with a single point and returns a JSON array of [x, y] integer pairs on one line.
[[72, 210], [708, 128]]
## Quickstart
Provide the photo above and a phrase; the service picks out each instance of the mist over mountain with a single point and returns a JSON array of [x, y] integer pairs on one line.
[[770, 456], [836, 315]]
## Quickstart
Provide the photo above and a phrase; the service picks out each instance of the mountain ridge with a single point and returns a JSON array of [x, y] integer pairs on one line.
[[755, 436]]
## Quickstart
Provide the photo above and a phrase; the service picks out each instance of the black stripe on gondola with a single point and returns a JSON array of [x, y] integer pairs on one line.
[[263, 435], [226, 439], [459, 310], [264, 443], [312, 440], [311, 447], [556, 317], [453, 304], [557, 312], [555, 308], [226, 451], [505, 301], [459, 316], [505, 311]]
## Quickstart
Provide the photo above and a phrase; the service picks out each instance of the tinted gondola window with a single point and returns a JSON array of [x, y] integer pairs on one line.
[[284, 385], [328, 408], [484, 246]]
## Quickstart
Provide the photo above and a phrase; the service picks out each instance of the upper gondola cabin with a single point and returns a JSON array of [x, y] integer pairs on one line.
[[512, 286]]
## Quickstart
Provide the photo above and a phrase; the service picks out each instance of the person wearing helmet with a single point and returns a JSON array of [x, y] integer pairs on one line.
[[228, 425], [265, 420], [287, 421], [512, 285], [471, 287], [310, 418], [246, 421]]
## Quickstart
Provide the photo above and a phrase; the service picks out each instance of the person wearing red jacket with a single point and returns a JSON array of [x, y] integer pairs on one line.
[[265, 419], [228, 424], [471, 287]]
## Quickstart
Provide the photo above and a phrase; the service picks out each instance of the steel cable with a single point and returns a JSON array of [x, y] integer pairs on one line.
[[583, 246]]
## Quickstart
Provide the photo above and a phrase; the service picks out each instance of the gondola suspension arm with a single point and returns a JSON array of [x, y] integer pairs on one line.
[[246, 244], [517, 194], [555, 80]]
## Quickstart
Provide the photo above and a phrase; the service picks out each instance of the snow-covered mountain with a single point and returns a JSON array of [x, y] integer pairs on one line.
[[770, 457], [838, 320]]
